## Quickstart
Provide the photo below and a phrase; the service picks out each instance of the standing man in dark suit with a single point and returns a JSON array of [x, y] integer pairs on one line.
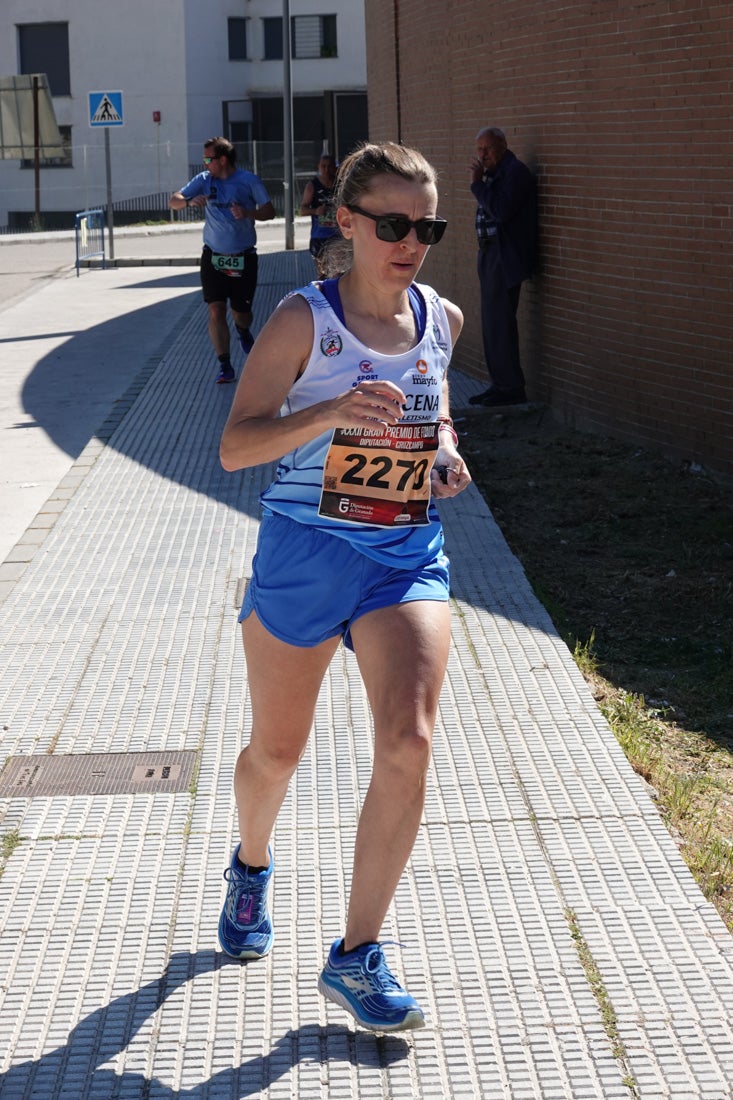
[[506, 227]]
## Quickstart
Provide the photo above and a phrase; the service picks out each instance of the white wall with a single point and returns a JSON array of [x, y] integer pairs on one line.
[[212, 78], [165, 55]]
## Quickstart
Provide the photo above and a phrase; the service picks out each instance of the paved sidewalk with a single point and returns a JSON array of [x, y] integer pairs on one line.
[[541, 872], [70, 354]]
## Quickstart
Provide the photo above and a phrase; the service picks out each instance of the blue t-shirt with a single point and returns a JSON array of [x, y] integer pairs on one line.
[[222, 231]]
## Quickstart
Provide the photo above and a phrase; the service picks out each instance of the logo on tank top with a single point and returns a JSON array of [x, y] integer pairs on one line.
[[439, 338], [366, 373], [331, 343]]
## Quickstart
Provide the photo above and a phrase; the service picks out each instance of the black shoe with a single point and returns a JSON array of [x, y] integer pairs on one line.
[[493, 397], [478, 398]]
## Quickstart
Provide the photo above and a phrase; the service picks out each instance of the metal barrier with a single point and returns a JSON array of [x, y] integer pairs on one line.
[[89, 234]]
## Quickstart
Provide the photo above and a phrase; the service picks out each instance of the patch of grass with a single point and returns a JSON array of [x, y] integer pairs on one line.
[[635, 728], [692, 801], [8, 843], [605, 1005], [585, 657], [632, 555]]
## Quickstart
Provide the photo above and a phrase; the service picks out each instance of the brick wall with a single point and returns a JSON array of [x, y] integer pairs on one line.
[[624, 110]]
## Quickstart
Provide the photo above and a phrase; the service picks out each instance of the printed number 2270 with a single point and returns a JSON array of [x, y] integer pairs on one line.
[[385, 472]]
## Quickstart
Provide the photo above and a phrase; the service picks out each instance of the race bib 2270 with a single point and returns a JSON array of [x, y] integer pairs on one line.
[[379, 476]]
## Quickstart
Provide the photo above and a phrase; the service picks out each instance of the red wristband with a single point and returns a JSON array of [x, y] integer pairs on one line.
[[445, 424]]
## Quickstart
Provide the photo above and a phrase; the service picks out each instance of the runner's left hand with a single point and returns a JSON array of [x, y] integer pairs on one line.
[[454, 471]]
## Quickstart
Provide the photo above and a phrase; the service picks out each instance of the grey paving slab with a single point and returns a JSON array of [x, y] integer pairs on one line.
[[119, 635]]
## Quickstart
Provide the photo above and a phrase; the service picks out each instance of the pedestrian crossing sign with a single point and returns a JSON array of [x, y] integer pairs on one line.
[[105, 109]]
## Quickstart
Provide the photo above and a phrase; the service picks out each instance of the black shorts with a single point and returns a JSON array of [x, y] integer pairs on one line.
[[238, 290]]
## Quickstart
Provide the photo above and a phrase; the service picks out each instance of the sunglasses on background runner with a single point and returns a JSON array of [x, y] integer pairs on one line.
[[395, 227], [207, 160]]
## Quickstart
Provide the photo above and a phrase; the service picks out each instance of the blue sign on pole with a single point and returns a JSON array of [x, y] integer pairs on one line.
[[105, 109]]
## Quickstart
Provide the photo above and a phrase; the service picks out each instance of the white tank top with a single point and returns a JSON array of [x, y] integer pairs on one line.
[[338, 360]]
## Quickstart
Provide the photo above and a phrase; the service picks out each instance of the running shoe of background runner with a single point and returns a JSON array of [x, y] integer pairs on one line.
[[246, 339], [226, 374]]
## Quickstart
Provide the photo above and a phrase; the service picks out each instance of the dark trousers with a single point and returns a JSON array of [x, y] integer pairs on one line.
[[499, 321]]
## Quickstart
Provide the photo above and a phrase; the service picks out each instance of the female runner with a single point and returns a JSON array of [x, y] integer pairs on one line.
[[346, 387]]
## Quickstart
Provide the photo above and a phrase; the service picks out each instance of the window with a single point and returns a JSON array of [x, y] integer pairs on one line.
[[44, 48], [237, 31], [273, 39], [310, 36], [314, 35], [64, 161], [240, 133]]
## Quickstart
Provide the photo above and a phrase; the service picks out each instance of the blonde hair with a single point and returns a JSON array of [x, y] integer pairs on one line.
[[355, 178]]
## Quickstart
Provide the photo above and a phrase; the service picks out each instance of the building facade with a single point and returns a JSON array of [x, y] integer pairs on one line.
[[624, 110], [186, 71]]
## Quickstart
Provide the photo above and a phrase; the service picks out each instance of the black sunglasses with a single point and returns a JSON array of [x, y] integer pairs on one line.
[[395, 227]]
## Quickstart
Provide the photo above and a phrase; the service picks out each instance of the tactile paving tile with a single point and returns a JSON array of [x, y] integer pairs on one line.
[[111, 980]]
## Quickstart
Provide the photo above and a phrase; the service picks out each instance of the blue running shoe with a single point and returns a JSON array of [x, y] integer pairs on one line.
[[362, 983], [245, 928], [246, 339], [226, 374]]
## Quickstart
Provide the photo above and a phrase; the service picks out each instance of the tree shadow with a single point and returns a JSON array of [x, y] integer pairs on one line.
[[107, 1031]]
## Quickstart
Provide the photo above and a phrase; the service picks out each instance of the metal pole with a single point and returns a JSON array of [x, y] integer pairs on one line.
[[168, 160], [110, 211], [36, 155], [288, 189], [398, 90]]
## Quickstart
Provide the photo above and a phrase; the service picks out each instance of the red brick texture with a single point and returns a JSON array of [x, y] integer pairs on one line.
[[624, 111]]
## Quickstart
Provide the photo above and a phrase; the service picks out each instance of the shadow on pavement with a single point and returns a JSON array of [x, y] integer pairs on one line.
[[87, 386], [71, 390], [107, 1031], [189, 278]]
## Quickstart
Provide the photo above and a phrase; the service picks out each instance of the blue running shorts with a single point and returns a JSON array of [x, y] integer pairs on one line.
[[309, 585]]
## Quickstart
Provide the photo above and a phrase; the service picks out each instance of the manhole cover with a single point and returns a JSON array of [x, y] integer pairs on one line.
[[96, 773]]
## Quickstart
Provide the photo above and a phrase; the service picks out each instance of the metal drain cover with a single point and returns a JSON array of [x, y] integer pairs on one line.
[[44, 776]]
